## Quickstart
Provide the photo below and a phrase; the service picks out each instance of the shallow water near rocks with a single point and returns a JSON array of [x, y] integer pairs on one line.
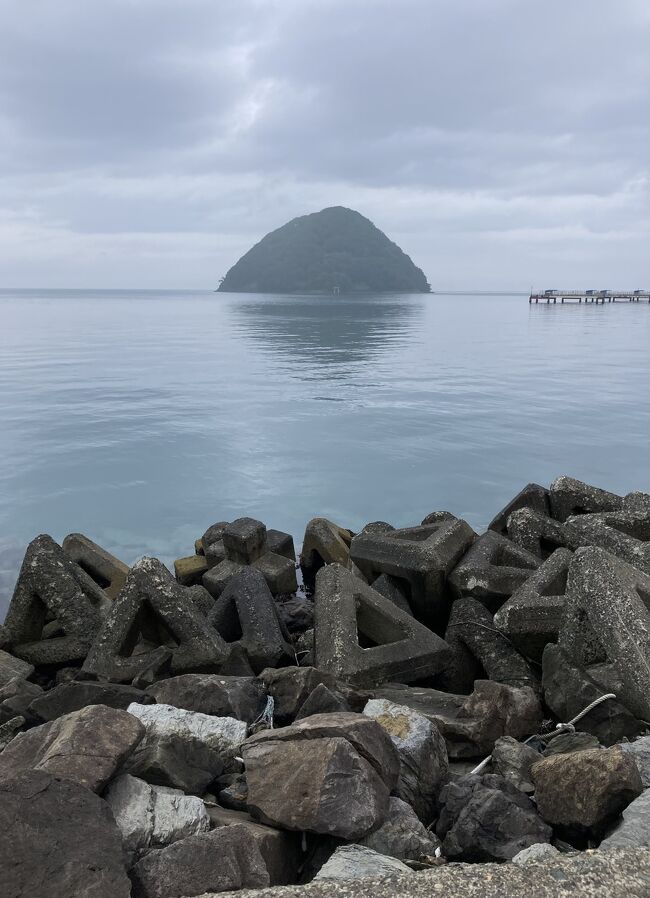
[[141, 417]]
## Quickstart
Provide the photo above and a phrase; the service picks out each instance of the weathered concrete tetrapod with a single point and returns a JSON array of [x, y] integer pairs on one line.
[[614, 598], [533, 496], [56, 609], [491, 570], [105, 569], [364, 638], [532, 616], [153, 614], [421, 557]]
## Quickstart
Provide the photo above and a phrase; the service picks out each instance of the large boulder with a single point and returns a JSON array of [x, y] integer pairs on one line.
[[222, 734], [225, 859], [153, 816], [486, 818], [86, 746], [281, 850], [580, 793], [422, 753], [332, 774], [239, 697], [491, 711], [569, 688], [179, 761], [57, 840], [68, 697]]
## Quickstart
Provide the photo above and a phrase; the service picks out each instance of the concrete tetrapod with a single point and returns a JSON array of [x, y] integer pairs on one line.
[[152, 615], [365, 639], [421, 556], [614, 598]]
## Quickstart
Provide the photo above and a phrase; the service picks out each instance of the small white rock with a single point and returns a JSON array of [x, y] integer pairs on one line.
[[357, 862], [538, 852]]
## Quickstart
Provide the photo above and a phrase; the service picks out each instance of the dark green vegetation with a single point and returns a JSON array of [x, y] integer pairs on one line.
[[335, 250]]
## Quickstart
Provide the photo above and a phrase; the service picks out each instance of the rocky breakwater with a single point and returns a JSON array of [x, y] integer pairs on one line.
[[430, 704]]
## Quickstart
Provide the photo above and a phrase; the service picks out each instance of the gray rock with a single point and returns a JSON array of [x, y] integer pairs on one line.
[[541, 851], [569, 497], [9, 729], [364, 638], [420, 557], [566, 743], [281, 850], [491, 711], [359, 862], [332, 774], [486, 818], [491, 570], [422, 754], [634, 829], [86, 746], [568, 689], [73, 696], [51, 588], [150, 607], [222, 734], [225, 859], [322, 701], [514, 761], [402, 834], [13, 669], [581, 793], [153, 816], [57, 840], [640, 751], [221, 696], [609, 595], [290, 687], [177, 761]]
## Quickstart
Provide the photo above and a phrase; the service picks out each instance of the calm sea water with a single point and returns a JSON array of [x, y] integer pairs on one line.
[[140, 417]]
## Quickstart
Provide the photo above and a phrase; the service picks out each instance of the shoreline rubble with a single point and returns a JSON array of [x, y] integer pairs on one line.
[[406, 709]]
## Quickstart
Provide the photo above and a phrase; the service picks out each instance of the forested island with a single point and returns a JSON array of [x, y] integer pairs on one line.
[[336, 250]]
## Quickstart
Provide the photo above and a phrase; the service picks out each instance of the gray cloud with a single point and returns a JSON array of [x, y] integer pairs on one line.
[[150, 143]]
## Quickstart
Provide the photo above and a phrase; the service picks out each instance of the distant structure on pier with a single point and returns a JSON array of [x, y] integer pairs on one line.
[[589, 296]]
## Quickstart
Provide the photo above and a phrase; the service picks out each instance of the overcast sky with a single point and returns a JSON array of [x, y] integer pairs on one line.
[[149, 143]]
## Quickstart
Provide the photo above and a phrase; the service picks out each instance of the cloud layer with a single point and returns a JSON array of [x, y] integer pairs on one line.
[[500, 142]]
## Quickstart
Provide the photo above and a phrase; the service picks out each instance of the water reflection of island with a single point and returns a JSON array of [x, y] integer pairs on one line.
[[328, 330]]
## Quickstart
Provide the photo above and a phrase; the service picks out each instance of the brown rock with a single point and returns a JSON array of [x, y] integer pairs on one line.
[[320, 785], [582, 791], [58, 840], [86, 746]]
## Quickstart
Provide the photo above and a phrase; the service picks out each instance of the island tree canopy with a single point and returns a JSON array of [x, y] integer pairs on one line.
[[335, 250]]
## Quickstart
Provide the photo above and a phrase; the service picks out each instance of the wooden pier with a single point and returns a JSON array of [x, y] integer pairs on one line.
[[599, 297]]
